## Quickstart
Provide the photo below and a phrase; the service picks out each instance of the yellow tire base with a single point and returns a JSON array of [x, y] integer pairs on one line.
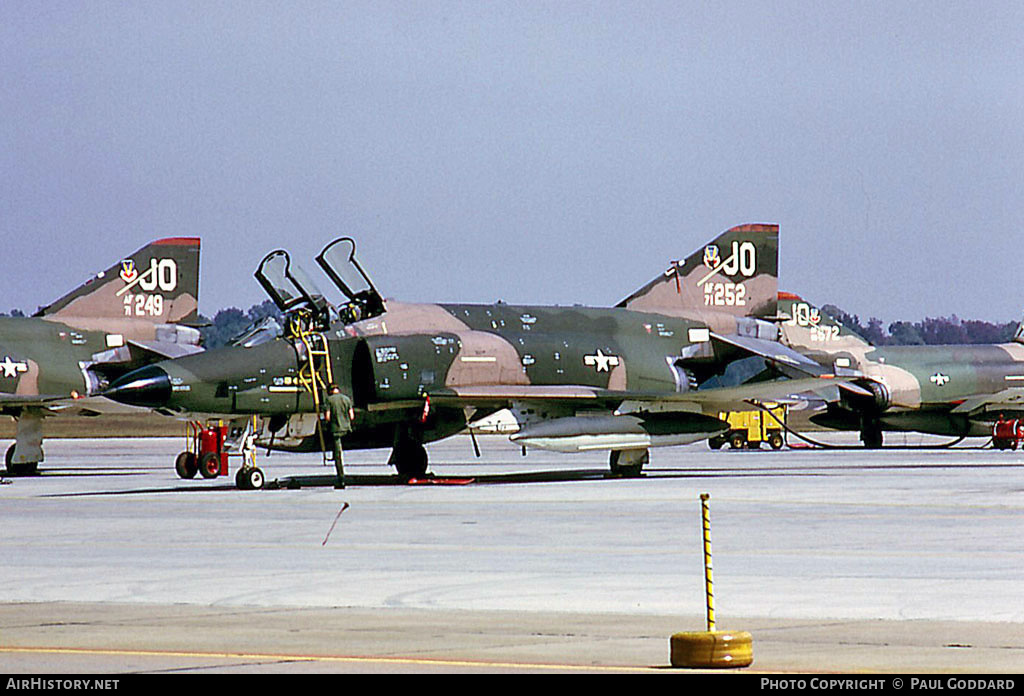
[[712, 649]]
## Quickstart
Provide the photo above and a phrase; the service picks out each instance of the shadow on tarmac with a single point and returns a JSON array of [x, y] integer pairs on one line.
[[533, 477]]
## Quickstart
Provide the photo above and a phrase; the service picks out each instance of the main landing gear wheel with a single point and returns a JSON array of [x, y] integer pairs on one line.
[[209, 465], [628, 463], [409, 457], [23, 469], [186, 465], [249, 479], [871, 432]]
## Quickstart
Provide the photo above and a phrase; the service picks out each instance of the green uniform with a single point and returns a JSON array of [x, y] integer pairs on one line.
[[341, 424]]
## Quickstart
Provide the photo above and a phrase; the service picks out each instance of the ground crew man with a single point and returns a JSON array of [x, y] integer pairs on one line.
[[341, 416]]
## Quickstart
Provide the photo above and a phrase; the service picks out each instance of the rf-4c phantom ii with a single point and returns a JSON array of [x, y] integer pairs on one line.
[[133, 313], [652, 371], [956, 390]]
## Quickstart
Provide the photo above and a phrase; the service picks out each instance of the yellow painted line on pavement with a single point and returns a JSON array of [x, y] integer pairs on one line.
[[431, 662]]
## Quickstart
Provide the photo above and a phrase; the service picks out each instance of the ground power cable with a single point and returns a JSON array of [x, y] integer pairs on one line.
[[826, 445]]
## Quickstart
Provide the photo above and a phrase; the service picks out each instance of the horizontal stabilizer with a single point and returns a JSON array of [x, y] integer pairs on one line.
[[779, 354], [160, 350]]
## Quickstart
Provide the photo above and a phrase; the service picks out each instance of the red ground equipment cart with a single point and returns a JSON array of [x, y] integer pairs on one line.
[[204, 451], [1008, 434]]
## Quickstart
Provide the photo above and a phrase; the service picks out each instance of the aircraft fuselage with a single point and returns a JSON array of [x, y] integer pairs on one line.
[[388, 363]]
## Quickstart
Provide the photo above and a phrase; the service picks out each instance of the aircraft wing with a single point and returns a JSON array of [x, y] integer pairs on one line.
[[603, 419], [1011, 399], [14, 404], [723, 398]]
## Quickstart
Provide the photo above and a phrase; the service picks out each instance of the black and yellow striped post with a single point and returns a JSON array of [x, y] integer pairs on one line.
[[710, 648], [705, 515]]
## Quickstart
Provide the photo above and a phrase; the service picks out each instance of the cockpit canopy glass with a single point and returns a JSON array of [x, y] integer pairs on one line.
[[263, 331], [338, 261], [288, 286]]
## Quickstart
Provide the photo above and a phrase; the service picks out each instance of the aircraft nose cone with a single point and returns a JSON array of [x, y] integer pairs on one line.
[[148, 386]]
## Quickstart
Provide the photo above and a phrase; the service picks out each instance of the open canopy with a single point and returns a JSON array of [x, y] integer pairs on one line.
[[338, 261], [289, 286]]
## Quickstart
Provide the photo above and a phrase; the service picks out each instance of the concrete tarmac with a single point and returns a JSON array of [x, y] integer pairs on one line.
[[902, 560]]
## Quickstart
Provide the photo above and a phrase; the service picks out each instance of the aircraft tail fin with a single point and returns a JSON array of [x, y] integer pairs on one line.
[[809, 329], [736, 273], [1019, 335], [158, 283]]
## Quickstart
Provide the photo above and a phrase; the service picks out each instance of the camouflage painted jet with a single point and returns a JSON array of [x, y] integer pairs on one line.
[[639, 375], [957, 390], [131, 314]]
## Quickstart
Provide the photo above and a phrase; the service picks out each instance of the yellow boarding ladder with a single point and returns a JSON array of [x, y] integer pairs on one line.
[[314, 380]]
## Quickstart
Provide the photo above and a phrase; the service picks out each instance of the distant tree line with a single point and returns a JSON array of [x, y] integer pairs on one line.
[[230, 322], [227, 323], [928, 331]]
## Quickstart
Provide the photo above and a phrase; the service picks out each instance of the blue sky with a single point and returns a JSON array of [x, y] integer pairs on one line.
[[535, 152]]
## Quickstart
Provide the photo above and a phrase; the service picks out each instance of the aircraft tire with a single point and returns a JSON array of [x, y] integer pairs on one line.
[[409, 458], [632, 468], [23, 469], [872, 439], [249, 479], [871, 432], [185, 465], [715, 649], [209, 465]]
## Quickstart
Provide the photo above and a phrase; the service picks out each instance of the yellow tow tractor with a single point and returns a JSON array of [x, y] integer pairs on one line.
[[751, 428]]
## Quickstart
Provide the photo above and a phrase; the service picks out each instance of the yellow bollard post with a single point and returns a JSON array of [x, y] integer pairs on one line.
[[705, 514], [710, 648]]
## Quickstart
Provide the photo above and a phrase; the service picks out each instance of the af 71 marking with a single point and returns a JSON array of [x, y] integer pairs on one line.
[[742, 262]]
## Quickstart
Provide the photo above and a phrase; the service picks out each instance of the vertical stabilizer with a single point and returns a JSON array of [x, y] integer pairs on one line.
[[1019, 335], [736, 273], [811, 331], [158, 283]]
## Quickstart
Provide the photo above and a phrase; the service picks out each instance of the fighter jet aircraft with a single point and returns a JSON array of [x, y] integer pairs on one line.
[[956, 390], [136, 311], [623, 379]]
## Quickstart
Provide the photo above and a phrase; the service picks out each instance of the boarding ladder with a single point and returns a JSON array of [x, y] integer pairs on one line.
[[316, 380]]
